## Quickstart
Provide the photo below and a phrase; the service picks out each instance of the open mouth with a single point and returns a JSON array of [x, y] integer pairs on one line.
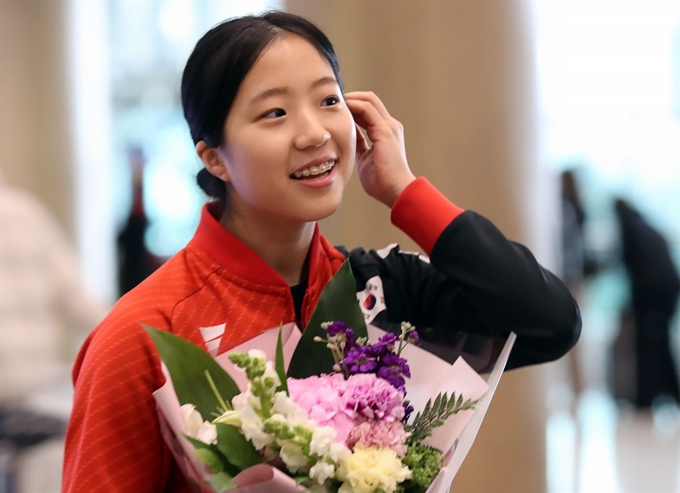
[[314, 171]]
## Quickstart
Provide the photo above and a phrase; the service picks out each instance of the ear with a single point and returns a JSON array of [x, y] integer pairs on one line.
[[213, 160]]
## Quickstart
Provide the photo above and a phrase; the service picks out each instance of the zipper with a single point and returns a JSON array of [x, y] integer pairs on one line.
[[303, 307]]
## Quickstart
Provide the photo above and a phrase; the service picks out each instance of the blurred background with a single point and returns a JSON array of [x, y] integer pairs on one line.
[[558, 120]]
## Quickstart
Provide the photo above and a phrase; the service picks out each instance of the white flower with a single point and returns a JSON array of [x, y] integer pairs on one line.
[[254, 402], [207, 433], [299, 417], [270, 372], [229, 418], [248, 415], [256, 353], [292, 456], [339, 452], [322, 439], [192, 418], [239, 401], [196, 427], [256, 435], [321, 471], [278, 418], [251, 425], [286, 406]]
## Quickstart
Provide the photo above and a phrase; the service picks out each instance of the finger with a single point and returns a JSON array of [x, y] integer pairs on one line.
[[360, 121], [362, 143], [372, 98], [367, 116]]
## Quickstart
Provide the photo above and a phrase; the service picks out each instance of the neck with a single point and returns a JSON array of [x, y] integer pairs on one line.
[[284, 246]]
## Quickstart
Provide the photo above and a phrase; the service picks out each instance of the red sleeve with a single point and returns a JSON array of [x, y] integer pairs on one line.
[[113, 441], [423, 212]]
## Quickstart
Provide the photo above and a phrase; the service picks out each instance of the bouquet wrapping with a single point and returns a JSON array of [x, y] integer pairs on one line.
[[343, 407]]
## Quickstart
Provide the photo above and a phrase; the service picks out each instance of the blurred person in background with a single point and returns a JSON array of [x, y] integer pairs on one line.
[[654, 290], [45, 313], [135, 261], [577, 266]]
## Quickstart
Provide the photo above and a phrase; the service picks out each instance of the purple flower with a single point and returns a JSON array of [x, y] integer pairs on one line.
[[341, 332], [393, 377], [390, 359], [408, 410], [394, 369], [335, 328], [397, 363], [379, 359], [373, 398], [358, 360], [386, 343]]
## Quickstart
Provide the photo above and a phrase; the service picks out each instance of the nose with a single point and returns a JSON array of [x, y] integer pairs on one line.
[[311, 132]]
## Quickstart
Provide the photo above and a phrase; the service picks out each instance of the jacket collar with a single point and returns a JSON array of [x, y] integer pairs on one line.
[[227, 250]]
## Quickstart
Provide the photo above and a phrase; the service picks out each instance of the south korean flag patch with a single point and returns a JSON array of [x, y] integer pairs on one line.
[[372, 299]]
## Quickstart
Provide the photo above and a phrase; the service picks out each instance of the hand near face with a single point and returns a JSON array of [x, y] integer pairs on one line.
[[383, 169]]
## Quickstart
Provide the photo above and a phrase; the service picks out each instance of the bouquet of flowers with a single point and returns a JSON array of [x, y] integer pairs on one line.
[[342, 407]]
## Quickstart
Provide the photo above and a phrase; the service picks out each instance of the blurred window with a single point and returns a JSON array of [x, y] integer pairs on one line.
[[608, 75], [150, 41], [609, 88]]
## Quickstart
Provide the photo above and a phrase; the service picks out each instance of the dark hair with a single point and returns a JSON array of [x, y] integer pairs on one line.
[[221, 60]]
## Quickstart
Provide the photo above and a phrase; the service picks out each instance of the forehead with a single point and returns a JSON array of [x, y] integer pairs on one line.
[[289, 60]]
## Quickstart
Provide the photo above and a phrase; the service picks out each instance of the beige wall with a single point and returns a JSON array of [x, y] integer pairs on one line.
[[458, 75], [55, 123], [35, 141]]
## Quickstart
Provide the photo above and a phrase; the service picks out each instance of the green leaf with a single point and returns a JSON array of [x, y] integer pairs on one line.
[[236, 448], [436, 415], [187, 364], [301, 479], [337, 303], [222, 482], [209, 458], [280, 368], [219, 462]]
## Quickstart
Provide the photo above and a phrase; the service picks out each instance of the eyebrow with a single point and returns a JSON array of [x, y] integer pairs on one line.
[[276, 91]]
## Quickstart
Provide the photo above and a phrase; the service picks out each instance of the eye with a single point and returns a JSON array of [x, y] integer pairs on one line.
[[330, 101], [277, 113]]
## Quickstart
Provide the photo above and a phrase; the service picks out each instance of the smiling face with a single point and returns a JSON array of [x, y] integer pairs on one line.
[[290, 139]]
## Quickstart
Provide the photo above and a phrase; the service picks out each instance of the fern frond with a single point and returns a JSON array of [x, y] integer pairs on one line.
[[435, 414]]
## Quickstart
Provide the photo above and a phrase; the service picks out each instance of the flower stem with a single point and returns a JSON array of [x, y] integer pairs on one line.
[[225, 406]]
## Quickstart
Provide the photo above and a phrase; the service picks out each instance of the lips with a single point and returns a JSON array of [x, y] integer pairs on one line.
[[317, 167]]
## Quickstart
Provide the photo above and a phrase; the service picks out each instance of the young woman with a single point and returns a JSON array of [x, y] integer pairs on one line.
[[279, 139]]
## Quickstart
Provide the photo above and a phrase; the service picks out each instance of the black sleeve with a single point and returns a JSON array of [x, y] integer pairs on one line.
[[476, 282]]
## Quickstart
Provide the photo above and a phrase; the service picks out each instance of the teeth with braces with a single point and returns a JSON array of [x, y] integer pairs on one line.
[[315, 170]]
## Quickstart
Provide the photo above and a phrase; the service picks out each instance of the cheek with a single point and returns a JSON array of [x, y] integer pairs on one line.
[[346, 134], [353, 142], [256, 153]]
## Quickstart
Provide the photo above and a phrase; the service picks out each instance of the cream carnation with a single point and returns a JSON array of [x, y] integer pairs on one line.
[[369, 469]]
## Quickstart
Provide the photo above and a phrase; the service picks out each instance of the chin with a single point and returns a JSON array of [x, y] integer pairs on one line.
[[321, 211]]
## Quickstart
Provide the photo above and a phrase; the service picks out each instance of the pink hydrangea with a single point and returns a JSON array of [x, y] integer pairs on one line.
[[382, 434], [321, 398], [373, 398]]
